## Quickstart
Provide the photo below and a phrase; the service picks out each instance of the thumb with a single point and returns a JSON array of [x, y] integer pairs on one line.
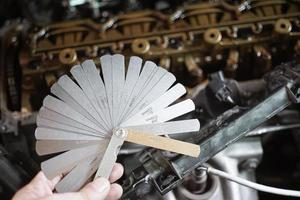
[[96, 190]]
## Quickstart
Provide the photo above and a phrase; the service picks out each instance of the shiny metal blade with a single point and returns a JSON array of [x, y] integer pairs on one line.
[[106, 67], [55, 134], [45, 147], [111, 153], [160, 103], [98, 88], [173, 127], [45, 113], [64, 162], [159, 89], [78, 95], [118, 78], [58, 91], [46, 123], [148, 69], [169, 113], [132, 76], [153, 80], [77, 178], [64, 109], [80, 77]]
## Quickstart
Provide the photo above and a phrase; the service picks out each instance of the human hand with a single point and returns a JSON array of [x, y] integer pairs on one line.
[[40, 188]]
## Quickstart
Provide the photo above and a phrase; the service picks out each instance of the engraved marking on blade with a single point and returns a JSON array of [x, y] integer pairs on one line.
[[147, 70], [163, 101], [155, 79], [169, 113]]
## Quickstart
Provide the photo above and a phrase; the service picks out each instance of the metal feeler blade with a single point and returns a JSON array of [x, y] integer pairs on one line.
[[41, 122], [132, 76], [61, 93], [106, 67], [135, 99], [78, 95], [147, 70], [157, 76], [165, 114], [62, 108], [80, 77], [111, 153], [160, 103], [66, 161], [42, 133], [98, 88], [45, 147], [56, 117], [74, 180], [79, 175], [172, 127], [118, 75], [156, 91]]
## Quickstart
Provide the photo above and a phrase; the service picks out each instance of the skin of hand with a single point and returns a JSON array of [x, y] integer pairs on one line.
[[40, 188]]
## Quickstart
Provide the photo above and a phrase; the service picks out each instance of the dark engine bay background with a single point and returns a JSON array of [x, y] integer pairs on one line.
[[224, 51]]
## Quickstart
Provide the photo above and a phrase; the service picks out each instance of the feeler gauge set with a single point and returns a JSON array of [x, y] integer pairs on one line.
[[90, 115]]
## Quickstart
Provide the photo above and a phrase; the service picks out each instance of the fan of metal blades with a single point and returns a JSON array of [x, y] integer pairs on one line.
[[90, 115]]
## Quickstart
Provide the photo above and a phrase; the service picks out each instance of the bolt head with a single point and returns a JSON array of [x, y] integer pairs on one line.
[[3, 128]]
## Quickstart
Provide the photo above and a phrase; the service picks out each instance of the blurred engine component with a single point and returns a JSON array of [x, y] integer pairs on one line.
[[191, 41], [281, 90]]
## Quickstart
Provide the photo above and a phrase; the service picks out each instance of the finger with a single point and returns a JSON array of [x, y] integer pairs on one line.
[[116, 172], [40, 177], [38, 187], [115, 192], [52, 183], [65, 196], [96, 190]]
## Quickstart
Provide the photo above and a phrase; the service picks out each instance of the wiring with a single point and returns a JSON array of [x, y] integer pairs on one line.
[[250, 184]]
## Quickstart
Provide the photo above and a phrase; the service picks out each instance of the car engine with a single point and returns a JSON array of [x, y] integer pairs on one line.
[[238, 59]]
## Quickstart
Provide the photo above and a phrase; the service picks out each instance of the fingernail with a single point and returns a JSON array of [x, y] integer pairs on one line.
[[101, 184]]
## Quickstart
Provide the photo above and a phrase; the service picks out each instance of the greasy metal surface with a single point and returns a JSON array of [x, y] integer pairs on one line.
[[196, 36]]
